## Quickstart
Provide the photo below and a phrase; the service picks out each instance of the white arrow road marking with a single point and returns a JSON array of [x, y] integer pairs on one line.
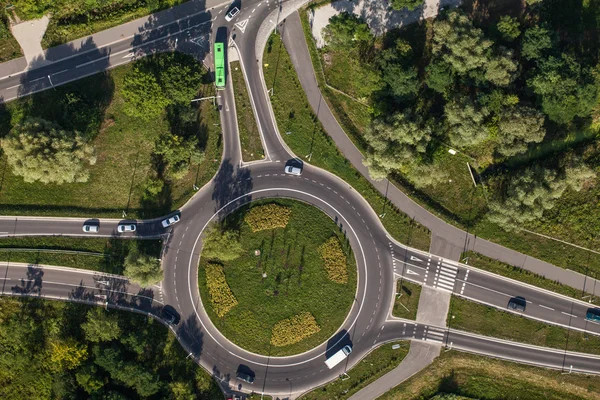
[[408, 271], [242, 25], [413, 258]]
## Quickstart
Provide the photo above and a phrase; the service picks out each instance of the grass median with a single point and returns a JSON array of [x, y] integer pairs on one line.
[[472, 317], [250, 142], [475, 377], [274, 295], [379, 362], [407, 300], [308, 139], [96, 254]]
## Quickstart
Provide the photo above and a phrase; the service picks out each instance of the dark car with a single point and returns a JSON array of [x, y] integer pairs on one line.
[[170, 315], [517, 303], [245, 377]]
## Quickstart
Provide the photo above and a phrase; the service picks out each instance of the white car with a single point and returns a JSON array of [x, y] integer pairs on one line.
[[232, 13], [91, 228], [170, 221], [293, 170], [126, 228]]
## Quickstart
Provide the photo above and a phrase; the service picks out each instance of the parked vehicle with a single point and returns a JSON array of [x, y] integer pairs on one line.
[[87, 228], [339, 356], [517, 303], [122, 228], [170, 221], [232, 13]]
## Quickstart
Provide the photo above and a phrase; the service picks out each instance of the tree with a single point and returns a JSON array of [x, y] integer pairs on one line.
[[566, 89], [534, 190], [40, 151], [179, 153], [221, 245], [87, 377], [100, 326], [423, 175], [535, 42], [508, 28], [500, 70], [397, 69], [439, 76], [460, 44], [66, 354], [142, 269], [409, 4], [182, 391], [346, 30], [517, 128], [465, 123], [144, 98], [395, 143], [179, 76]]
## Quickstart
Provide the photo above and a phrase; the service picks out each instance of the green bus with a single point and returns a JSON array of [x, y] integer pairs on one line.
[[219, 65]]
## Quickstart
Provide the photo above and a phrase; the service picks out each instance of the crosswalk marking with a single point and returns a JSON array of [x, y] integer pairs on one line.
[[445, 276]]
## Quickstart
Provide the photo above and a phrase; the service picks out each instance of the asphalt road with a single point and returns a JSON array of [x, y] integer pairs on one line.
[[368, 323]]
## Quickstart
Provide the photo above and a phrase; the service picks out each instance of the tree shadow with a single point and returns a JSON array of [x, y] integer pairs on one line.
[[32, 285], [231, 186]]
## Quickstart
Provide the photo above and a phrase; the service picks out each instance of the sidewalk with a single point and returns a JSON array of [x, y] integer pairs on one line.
[[446, 239], [129, 30]]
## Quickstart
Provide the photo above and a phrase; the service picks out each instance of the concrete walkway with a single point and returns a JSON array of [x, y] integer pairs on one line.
[[29, 34], [447, 240]]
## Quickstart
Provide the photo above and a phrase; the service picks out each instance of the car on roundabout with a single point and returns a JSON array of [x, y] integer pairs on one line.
[[231, 14], [169, 314]]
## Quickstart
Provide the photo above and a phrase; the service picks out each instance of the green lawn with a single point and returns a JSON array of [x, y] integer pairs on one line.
[[477, 377], [293, 114], [472, 317], [108, 253], [296, 281], [407, 300], [249, 136], [124, 148], [482, 262], [9, 47], [379, 362]]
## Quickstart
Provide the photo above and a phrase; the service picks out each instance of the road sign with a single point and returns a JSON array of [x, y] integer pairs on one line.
[[413, 258], [408, 271]]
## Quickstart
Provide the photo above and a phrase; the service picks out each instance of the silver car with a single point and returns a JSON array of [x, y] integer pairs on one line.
[[232, 13], [293, 170], [91, 228], [170, 221], [126, 228]]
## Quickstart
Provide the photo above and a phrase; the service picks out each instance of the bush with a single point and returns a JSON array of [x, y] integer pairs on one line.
[[221, 297], [269, 216], [294, 329], [334, 260]]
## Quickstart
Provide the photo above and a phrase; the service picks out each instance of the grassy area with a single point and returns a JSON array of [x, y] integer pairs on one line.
[[108, 253], [478, 377], [124, 148], [249, 136], [379, 362], [70, 23], [293, 114], [472, 317], [407, 300], [488, 264], [295, 282], [9, 47]]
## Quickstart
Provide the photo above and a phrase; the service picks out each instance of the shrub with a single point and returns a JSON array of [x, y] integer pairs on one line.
[[334, 260], [268, 216], [219, 292], [294, 329]]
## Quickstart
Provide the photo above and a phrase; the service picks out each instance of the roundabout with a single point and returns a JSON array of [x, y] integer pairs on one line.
[[272, 294]]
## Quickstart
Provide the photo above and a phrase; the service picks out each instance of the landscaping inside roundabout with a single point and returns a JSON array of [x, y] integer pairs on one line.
[[277, 277]]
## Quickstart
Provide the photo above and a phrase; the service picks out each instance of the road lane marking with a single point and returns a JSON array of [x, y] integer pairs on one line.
[[570, 315], [548, 308]]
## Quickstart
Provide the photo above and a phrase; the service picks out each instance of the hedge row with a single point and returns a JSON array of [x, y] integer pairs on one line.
[[220, 294], [294, 329], [268, 216], [334, 259]]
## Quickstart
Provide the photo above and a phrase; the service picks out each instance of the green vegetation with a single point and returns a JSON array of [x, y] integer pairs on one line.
[[108, 254], [61, 350], [472, 317], [409, 4], [279, 275], [379, 362], [145, 165], [268, 216], [252, 148], [221, 245], [307, 137], [407, 300], [142, 268], [516, 97], [473, 376], [72, 19], [9, 47], [294, 329], [334, 260]]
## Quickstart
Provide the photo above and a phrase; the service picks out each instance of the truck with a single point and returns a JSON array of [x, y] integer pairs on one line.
[[339, 356]]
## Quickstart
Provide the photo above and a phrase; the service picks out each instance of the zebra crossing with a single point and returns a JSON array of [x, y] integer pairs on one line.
[[433, 334], [445, 276]]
